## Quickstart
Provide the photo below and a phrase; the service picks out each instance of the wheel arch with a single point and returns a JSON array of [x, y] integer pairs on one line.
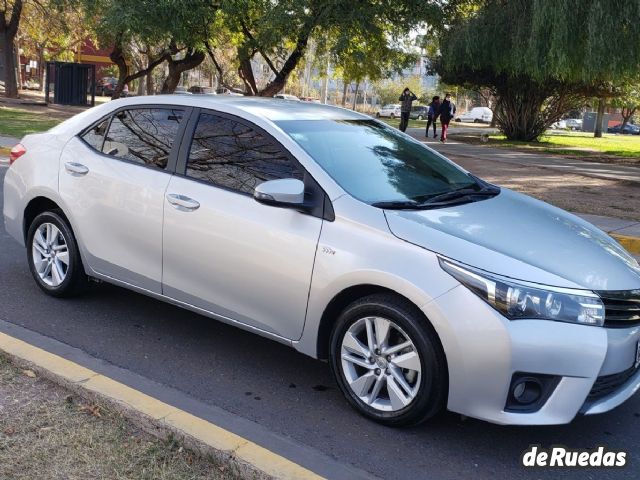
[[35, 207], [345, 297]]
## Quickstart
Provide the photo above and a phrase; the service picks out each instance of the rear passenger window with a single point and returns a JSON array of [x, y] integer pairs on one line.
[[143, 135], [95, 136], [233, 155]]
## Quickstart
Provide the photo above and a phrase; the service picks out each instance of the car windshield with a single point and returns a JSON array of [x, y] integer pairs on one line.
[[376, 163]]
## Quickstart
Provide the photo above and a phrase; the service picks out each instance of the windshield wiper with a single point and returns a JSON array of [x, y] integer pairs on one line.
[[397, 205], [442, 199], [461, 193]]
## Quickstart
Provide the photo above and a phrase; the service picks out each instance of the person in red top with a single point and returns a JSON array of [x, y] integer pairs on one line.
[[447, 112]]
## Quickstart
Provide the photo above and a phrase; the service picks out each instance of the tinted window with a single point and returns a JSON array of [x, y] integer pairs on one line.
[[376, 163], [235, 156], [95, 136], [143, 135]]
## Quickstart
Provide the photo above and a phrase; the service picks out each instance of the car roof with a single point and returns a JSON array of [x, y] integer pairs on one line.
[[269, 108]]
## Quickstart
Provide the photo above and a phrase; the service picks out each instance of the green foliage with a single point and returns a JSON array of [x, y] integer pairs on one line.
[[540, 56], [588, 42], [389, 90]]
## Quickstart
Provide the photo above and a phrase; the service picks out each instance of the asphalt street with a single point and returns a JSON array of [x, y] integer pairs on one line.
[[287, 392]]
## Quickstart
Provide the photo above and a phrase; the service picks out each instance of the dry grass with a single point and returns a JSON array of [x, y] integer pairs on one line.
[[46, 433], [576, 193]]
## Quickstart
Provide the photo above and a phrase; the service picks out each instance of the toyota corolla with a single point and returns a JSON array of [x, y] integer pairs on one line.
[[424, 286]]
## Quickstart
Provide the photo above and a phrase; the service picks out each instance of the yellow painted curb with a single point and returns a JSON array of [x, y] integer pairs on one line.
[[218, 438], [631, 244]]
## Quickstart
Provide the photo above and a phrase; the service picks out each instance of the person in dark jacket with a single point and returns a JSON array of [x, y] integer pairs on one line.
[[447, 112], [432, 115], [405, 99]]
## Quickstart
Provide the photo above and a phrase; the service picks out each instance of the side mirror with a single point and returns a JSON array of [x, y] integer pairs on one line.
[[287, 193]]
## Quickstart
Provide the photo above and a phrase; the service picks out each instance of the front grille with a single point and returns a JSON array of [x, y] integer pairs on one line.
[[622, 308], [607, 384]]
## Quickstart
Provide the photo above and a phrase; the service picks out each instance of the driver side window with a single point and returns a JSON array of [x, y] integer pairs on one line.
[[232, 155]]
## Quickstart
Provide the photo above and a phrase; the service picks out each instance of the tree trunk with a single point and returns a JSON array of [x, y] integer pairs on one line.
[[597, 132], [355, 96], [9, 66], [344, 92], [8, 31], [151, 88], [627, 113], [518, 115], [191, 60], [41, 68]]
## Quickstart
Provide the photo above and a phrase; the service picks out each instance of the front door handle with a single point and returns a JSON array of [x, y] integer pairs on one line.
[[76, 168], [182, 203]]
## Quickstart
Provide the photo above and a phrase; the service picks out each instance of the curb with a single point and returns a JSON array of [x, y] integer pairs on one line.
[[246, 458], [631, 244]]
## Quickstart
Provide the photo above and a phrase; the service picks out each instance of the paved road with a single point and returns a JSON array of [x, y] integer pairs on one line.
[[287, 392]]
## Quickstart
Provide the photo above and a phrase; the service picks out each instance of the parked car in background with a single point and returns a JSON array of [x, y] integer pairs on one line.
[[286, 96], [392, 111], [568, 124], [629, 129], [419, 112], [476, 115], [423, 286], [310, 99], [199, 90], [107, 85], [573, 123], [180, 90]]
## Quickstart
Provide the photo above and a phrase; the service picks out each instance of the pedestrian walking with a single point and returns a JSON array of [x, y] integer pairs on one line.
[[405, 99], [447, 112], [432, 115]]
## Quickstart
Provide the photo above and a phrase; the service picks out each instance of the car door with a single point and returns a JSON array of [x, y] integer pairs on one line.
[[113, 179], [223, 251]]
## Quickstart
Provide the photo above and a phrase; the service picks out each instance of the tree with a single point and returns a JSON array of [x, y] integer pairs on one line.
[[9, 23], [279, 32], [50, 30], [541, 57], [162, 30], [628, 102]]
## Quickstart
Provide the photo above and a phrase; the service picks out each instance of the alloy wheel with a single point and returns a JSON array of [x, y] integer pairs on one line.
[[381, 364], [50, 254]]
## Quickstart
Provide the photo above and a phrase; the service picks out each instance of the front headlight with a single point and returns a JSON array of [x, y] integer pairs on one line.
[[519, 301]]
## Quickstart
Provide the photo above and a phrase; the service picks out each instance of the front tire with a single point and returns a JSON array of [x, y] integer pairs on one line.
[[53, 255], [392, 116], [388, 361], [419, 117]]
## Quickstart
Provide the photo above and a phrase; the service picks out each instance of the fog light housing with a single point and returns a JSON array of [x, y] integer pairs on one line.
[[528, 392]]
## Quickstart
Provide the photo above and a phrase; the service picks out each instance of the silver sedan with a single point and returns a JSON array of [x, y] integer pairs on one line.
[[424, 286]]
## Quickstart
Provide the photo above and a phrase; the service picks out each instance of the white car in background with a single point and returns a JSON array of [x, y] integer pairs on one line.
[[285, 96], [476, 115], [391, 111]]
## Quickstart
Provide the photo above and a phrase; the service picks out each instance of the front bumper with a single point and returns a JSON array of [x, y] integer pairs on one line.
[[484, 350]]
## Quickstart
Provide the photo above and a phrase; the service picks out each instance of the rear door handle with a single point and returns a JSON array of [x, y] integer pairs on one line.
[[182, 203], [76, 168]]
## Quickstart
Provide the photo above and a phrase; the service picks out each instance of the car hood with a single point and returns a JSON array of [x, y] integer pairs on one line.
[[519, 237]]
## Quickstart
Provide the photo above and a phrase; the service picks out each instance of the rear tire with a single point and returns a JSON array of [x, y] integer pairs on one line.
[[53, 256], [391, 385], [392, 116], [377, 114]]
